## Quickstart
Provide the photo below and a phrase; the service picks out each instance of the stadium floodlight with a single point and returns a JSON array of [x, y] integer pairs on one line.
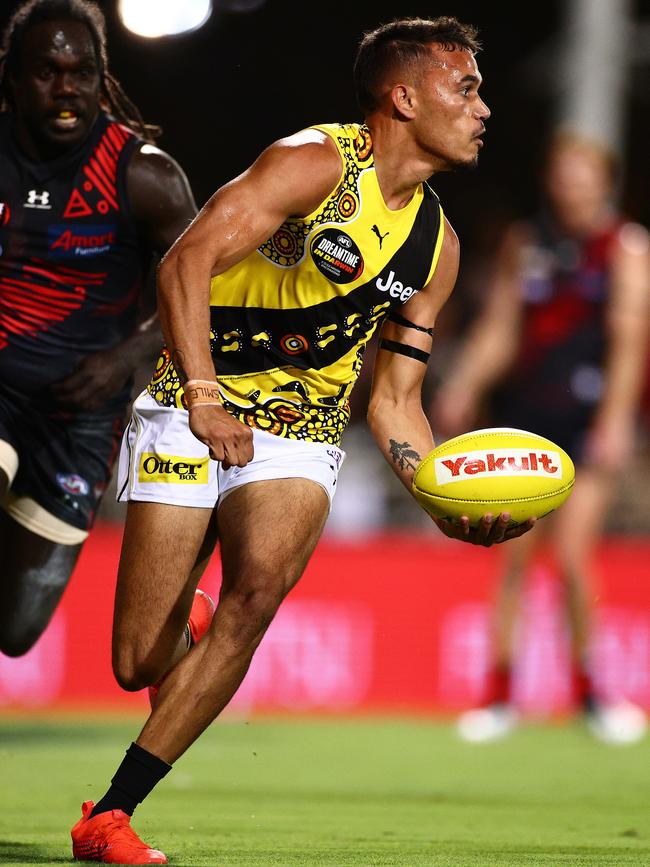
[[154, 18]]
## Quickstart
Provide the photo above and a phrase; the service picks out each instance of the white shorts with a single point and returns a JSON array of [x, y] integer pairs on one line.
[[161, 461]]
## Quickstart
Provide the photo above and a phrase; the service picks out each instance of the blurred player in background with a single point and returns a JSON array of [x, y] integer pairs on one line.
[[267, 304], [85, 201], [560, 347]]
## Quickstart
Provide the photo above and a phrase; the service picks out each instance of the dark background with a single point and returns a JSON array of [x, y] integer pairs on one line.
[[224, 92]]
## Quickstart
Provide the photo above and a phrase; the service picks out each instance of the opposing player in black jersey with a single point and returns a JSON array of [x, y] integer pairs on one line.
[[559, 348], [267, 303], [85, 201]]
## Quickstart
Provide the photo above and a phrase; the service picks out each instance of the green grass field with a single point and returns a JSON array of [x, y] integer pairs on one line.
[[339, 792]]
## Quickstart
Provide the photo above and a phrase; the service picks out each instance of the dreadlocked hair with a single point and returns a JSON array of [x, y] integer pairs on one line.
[[112, 97]]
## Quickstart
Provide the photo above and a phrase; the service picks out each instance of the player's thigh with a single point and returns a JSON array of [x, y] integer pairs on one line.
[[35, 572], [160, 549], [39, 547], [8, 465], [578, 524], [268, 531], [64, 466]]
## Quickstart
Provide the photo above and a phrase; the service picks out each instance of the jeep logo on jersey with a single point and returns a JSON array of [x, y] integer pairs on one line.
[[69, 242], [498, 462], [336, 256], [394, 288], [172, 469]]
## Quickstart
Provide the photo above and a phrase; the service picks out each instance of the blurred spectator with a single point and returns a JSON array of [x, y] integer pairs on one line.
[[559, 348]]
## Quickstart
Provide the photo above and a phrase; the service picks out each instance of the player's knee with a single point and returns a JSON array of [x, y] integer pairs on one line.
[[253, 607], [573, 574], [513, 580], [132, 679], [34, 581], [21, 627], [16, 641], [132, 673]]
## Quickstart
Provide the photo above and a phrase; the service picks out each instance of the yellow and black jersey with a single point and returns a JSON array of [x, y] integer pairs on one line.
[[290, 322]]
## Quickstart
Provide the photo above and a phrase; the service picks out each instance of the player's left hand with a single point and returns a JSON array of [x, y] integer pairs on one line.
[[488, 532], [609, 443], [97, 378]]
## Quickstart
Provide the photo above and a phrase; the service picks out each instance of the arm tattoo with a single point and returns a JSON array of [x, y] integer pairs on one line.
[[178, 361], [404, 455]]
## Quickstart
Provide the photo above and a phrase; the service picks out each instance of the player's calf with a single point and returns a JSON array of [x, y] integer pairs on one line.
[[197, 625], [143, 663]]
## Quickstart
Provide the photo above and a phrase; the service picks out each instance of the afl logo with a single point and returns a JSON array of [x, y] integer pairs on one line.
[[4, 213], [336, 256]]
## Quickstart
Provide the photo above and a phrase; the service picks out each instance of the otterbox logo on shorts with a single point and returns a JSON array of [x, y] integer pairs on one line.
[[173, 470]]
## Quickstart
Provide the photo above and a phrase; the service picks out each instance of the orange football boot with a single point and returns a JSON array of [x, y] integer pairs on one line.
[[199, 621], [109, 838]]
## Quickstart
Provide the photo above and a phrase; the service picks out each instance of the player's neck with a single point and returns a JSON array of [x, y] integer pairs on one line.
[[400, 167]]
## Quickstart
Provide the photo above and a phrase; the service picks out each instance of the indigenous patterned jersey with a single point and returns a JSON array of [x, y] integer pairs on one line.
[[71, 261], [290, 323]]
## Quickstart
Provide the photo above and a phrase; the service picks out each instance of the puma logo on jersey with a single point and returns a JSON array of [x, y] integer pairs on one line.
[[381, 237]]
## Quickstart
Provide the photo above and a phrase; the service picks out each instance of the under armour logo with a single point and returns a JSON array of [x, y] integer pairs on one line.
[[381, 237], [36, 199], [336, 456]]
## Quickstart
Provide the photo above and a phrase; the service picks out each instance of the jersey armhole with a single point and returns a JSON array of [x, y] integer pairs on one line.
[[438, 246], [332, 135], [127, 153]]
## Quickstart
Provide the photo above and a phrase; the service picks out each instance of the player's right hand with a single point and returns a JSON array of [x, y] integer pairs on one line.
[[490, 531], [228, 440]]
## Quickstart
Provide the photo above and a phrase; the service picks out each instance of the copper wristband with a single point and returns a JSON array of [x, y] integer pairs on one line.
[[201, 392]]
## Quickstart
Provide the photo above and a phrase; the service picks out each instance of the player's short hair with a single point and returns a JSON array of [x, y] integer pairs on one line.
[[403, 44], [87, 12]]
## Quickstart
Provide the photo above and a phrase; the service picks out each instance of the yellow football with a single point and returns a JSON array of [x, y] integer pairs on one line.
[[494, 470]]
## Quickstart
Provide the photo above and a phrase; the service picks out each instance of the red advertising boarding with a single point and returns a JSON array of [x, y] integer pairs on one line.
[[391, 623]]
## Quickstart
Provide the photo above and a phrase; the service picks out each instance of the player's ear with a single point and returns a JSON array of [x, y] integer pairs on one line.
[[403, 99]]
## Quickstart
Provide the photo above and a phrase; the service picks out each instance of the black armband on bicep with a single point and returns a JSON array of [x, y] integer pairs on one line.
[[406, 323], [404, 349]]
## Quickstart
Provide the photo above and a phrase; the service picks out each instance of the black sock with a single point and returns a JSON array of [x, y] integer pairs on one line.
[[133, 780]]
